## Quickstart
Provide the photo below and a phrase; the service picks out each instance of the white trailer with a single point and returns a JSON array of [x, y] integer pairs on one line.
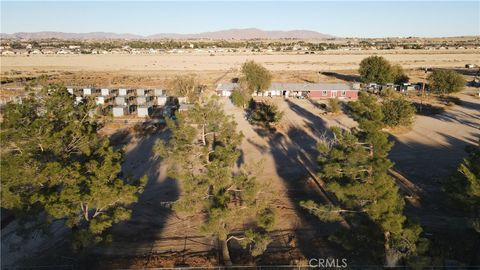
[[87, 91], [120, 101]]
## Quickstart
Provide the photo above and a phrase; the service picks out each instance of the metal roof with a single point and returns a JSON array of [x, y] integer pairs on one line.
[[309, 86], [293, 86]]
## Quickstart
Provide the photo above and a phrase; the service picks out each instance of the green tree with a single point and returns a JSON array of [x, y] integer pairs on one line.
[[257, 77], [464, 186], [334, 105], [375, 69], [241, 95], [398, 74], [355, 168], [201, 154], [186, 86], [54, 162], [398, 112], [265, 114], [445, 81]]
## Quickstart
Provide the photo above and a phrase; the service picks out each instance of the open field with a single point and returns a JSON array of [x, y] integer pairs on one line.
[[331, 60]]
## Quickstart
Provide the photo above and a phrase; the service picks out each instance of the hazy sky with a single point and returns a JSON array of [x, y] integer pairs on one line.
[[346, 19]]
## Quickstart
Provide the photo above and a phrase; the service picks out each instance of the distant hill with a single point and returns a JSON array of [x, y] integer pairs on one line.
[[248, 33]]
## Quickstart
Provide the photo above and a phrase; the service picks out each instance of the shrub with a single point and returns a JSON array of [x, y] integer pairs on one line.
[[446, 81], [239, 99], [398, 112], [265, 114], [334, 105]]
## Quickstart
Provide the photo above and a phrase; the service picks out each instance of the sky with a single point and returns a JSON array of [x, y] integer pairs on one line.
[[343, 19]]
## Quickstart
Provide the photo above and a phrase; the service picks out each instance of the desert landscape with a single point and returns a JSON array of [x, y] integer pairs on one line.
[[179, 144]]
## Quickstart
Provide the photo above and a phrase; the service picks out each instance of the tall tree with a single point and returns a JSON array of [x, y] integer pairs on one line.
[[446, 81], [54, 162], [398, 112], [186, 86], [355, 168], [464, 186], [257, 77], [398, 74], [375, 69], [201, 154]]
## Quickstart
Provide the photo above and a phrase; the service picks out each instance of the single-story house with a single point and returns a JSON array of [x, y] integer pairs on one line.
[[311, 90], [119, 111]]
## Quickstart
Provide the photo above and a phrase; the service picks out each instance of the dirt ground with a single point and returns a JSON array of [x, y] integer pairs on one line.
[[425, 155], [322, 61]]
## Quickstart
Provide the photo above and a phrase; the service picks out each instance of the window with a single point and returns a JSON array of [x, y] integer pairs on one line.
[[324, 92], [344, 93]]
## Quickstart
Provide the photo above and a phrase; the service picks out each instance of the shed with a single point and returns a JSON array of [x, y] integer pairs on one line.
[[100, 100], [140, 92], [87, 91], [161, 101], [122, 91], [143, 111], [182, 100], [120, 101], [158, 92], [119, 111], [105, 91]]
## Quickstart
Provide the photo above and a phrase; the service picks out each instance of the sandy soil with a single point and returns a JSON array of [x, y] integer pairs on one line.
[[201, 62]]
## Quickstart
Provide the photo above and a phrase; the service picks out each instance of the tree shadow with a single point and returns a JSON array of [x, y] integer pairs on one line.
[[343, 77], [135, 238], [294, 153]]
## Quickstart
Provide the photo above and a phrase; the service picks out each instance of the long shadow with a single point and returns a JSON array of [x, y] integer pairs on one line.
[[343, 77], [135, 237], [293, 153], [430, 167]]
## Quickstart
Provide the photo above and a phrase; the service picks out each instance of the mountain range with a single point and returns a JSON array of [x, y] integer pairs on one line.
[[247, 33]]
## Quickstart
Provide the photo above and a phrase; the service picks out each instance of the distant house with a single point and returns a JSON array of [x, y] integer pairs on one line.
[[225, 89], [311, 90]]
